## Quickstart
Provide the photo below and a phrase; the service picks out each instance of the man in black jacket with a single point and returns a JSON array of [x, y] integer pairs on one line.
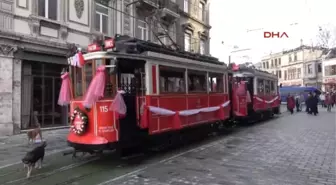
[[314, 102]]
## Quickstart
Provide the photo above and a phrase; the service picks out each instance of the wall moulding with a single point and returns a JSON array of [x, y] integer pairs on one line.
[[78, 11]]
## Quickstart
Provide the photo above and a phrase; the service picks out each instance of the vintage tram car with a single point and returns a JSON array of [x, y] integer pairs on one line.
[[149, 91]]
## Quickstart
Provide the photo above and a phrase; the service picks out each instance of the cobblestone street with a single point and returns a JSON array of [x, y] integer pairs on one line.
[[294, 149], [12, 148]]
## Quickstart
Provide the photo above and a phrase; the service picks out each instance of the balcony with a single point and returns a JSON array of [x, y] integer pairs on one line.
[[168, 10], [147, 5]]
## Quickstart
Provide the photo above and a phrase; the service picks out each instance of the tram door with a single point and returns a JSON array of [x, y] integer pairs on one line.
[[129, 78], [239, 97]]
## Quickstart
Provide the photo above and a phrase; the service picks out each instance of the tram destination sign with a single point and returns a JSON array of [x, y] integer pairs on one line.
[[108, 44]]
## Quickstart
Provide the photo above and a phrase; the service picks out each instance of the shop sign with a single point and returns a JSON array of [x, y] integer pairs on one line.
[[330, 80]]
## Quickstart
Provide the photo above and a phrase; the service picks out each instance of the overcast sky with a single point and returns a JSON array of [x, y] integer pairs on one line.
[[230, 20]]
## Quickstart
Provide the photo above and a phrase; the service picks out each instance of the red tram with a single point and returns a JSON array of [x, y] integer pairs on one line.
[[126, 90]]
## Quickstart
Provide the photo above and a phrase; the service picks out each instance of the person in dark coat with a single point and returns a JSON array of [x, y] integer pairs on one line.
[[314, 102], [308, 103], [290, 103]]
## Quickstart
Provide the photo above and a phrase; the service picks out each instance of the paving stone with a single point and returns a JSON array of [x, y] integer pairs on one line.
[[294, 149], [13, 148]]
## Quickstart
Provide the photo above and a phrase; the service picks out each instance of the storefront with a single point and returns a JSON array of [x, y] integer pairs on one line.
[[30, 83], [41, 83], [329, 84], [329, 74]]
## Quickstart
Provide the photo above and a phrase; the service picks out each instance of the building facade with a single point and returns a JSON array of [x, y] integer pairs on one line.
[[301, 66], [37, 35], [194, 26], [329, 70]]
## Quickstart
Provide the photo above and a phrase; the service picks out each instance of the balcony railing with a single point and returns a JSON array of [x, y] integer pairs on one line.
[[148, 4], [169, 5]]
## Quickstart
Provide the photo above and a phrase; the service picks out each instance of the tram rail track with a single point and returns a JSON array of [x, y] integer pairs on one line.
[[158, 153]]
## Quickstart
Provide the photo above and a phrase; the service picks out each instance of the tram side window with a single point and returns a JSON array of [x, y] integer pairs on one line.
[[216, 83], [197, 81], [172, 80], [88, 73], [110, 87], [260, 86], [273, 89], [267, 87], [77, 81]]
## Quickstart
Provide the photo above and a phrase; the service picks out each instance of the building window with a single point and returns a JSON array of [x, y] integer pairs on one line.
[[290, 58], [186, 6], [142, 32], [272, 63], [202, 47], [319, 68], [47, 9], [275, 62], [310, 69], [290, 74], [285, 75], [279, 60], [201, 11], [163, 37], [295, 57], [267, 65], [187, 42], [299, 73], [101, 18], [330, 70], [264, 65]]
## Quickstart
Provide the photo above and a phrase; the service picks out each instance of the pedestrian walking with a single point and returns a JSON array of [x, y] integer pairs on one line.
[[314, 103], [308, 103], [322, 98], [297, 102], [290, 103], [328, 101], [333, 98], [302, 100]]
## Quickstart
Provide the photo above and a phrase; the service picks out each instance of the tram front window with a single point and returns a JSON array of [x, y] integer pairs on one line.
[[82, 77]]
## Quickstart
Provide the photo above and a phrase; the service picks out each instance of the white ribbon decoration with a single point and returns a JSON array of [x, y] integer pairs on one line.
[[161, 111], [190, 112], [270, 101]]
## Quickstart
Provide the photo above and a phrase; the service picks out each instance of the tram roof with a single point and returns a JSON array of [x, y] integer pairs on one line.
[[246, 71], [125, 46]]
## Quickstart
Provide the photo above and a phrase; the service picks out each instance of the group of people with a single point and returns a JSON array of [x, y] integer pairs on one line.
[[327, 100]]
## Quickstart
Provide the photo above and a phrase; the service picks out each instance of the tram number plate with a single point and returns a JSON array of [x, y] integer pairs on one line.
[[105, 129], [103, 108]]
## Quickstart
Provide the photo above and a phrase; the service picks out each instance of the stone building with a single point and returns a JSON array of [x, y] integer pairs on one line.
[[194, 29], [301, 66], [36, 36], [329, 70]]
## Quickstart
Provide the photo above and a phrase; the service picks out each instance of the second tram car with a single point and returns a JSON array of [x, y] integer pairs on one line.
[[139, 90]]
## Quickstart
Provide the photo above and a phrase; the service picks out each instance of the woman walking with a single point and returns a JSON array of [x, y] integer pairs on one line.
[[290, 103]]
